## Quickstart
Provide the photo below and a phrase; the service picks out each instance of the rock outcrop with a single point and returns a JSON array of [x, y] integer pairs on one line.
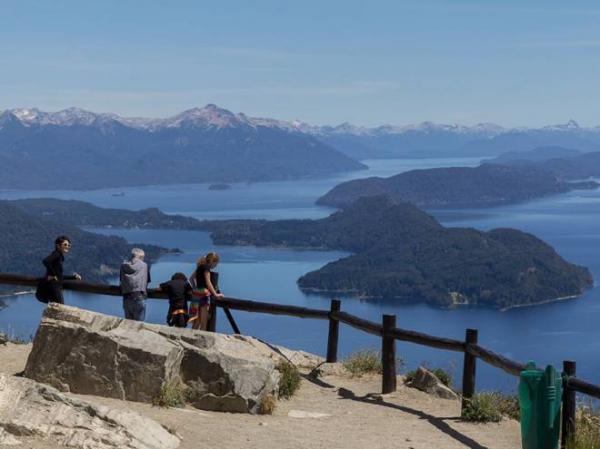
[[30, 409], [91, 353], [428, 382]]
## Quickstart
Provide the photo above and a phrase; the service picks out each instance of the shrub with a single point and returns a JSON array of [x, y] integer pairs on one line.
[[482, 407], [289, 380], [587, 434], [508, 405], [267, 405], [363, 362], [172, 394]]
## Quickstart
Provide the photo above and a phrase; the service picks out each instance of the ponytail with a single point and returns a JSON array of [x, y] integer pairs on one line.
[[209, 261]]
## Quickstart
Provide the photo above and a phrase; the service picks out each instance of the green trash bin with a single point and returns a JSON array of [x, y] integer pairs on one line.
[[540, 396]]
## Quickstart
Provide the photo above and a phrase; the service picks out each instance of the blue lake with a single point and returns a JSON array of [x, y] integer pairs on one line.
[[547, 334]]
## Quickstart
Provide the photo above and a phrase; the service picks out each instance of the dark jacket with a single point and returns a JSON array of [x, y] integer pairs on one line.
[[179, 293], [51, 291], [54, 265]]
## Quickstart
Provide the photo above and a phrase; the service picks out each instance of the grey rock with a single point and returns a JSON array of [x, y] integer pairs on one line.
[[3, 339], [428, 382], [31, 409], [91, 353]]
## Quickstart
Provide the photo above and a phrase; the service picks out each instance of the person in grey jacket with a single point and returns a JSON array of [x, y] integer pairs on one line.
[[135, 277]]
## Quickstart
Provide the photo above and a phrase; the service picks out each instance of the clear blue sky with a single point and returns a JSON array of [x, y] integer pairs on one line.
[[511, 62]]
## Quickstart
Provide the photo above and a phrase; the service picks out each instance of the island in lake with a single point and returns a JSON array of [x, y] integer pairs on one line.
[[483, 186], [219, 187], [398, 252]]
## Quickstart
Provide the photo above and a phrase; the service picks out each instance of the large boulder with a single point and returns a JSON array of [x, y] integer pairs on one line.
[[428, 382], [91, 353], [30, 409]]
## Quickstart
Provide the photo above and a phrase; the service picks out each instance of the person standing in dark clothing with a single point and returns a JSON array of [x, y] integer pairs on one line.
[[54, 269], [179, 291]]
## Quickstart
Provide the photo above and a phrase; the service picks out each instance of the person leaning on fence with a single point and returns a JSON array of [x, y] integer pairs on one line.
[[179, 291], [204, 290], [134, 279], [50, 289]]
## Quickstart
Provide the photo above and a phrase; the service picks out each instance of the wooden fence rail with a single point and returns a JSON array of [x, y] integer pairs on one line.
[[388, 332]]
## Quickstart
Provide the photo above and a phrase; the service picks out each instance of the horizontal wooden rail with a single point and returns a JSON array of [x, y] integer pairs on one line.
[[358, 323], [497, 360], [16, 279], [274, 309], [428, 340], [582, 386]]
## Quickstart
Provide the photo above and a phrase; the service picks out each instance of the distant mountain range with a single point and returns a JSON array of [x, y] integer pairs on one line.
[[564, 164], [80, 149], [534, 155], [77, 149]]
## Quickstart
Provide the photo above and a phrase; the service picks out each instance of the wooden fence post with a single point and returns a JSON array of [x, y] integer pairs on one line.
[[569, 405], [388, 355], [334, 331], [470, 363], [212, 317]]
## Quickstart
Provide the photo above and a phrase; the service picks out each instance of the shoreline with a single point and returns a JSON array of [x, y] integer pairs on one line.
[[547, 301], [19, 293]]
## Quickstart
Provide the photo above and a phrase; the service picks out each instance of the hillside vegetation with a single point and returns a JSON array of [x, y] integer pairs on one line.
[[486, 185], [25, 240], [402, 253]]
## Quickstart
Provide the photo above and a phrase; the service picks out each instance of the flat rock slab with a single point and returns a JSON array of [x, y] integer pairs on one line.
[[303, 415], [28, 408], [91, 353]]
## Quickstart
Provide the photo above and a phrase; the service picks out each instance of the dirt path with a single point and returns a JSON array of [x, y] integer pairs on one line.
[[347, 413]]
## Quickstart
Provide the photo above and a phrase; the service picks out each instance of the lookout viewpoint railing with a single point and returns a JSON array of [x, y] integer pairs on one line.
[[388, 332]]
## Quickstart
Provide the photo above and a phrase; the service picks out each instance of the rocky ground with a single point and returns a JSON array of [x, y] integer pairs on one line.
[[333, 411]]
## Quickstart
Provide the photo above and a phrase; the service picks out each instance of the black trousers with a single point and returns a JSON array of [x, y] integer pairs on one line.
[[56, 292]]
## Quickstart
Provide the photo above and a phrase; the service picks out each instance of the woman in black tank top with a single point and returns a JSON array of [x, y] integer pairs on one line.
[[205, 289]]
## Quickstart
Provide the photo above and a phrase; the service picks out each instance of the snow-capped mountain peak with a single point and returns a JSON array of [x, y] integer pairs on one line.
[[209, 116], [66, 117], [28, 115], [571, 125]]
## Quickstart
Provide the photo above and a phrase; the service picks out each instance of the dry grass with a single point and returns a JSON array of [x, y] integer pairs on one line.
[[587, 427], [172, 394], [267, 405], [491, 407], [365, 361], [289, 380]]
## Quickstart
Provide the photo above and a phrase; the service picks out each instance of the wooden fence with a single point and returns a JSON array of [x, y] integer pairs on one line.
[[388, 332]]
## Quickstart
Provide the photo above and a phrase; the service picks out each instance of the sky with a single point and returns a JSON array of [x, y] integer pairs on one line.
[[515, 63]]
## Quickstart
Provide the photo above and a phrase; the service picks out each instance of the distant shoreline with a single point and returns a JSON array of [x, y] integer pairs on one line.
[[20, 293], [547, 301]]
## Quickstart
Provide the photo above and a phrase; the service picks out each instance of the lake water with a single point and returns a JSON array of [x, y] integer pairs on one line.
[[547, 334]]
